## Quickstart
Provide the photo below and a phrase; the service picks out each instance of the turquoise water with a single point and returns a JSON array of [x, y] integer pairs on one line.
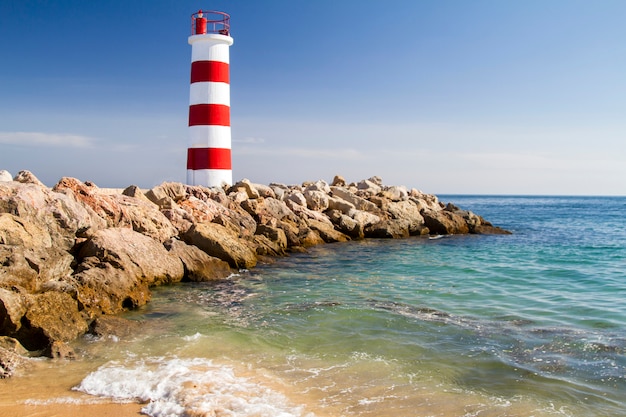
[[528, 324]]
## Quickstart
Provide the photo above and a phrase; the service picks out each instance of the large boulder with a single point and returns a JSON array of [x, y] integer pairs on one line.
[[221, 242], [199, 266], [408, 211], [268, 210], [28, 254], [118, 265], [327, 231], [316, 200], [358, 202], [443, 222], [5, 176], [51, 317]]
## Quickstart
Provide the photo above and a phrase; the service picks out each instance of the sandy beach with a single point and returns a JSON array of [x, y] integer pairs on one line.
[[70, 410]]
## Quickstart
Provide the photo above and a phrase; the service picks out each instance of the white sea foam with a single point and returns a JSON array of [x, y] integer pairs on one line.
[[173, 387]]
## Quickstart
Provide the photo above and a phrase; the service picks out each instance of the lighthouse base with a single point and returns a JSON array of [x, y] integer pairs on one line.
[[210, 177]]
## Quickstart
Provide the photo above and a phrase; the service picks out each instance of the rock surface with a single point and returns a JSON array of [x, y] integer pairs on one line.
[[73, 255]]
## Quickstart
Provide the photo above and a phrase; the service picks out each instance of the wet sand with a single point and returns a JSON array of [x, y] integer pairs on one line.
[[71, 410]]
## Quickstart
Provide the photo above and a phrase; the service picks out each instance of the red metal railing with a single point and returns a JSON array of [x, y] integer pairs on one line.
[[210, 21]]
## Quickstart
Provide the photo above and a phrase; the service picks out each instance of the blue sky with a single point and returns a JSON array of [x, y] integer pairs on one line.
[[447, 96]]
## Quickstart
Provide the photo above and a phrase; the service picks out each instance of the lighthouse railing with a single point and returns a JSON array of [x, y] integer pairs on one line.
[[210, 21]]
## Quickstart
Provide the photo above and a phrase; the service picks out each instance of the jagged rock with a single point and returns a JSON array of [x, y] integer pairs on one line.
[[444, 222], [359, 203], [365, 218], [266, 247], [166, 194], [120, 210], [217, 240], [369, 187], [274, 234], [117, 267], [5, 176], [51, 316], [409, 211], [268, 210], [114, 327], [296, 197], [395, 193], [245, 186], [61, 350], [11, 362], [390, 228], [339, 181], [203, 211], [12, 309], [128, 250], [327, 231], [264, 191], [27, 177], [316, 200], [27, 254], [345, 207], [346, 224], [199, 266]]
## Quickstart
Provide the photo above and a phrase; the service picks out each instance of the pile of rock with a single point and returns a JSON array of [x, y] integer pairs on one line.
[[75, 254]]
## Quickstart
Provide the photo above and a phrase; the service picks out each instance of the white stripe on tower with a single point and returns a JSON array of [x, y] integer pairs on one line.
[[209, 152]]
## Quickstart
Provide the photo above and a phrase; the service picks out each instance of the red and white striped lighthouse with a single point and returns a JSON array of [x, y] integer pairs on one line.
[[208, 155]]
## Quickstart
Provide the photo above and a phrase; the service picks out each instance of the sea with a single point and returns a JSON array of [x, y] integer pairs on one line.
[[527, 324]]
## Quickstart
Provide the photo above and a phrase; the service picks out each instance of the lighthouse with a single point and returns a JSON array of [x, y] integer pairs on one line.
[[209, 152]]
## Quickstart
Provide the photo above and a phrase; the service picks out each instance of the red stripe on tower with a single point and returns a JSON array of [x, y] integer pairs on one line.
[[209, 152]]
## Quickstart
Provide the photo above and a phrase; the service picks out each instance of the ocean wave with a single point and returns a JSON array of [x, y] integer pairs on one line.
[[173, 387]]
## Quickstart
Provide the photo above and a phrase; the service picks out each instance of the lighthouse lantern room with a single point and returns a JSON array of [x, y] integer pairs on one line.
[[209, 152]]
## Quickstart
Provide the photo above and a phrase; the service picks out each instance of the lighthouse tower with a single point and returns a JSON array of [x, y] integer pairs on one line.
[[208, 154]]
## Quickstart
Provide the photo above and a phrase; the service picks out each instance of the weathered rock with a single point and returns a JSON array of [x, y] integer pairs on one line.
[[5, 176], [117, 267], [395, 193], [120, 210], [268, 210], [131, 251], [296, 197], [369, 187], [199, 266], [166, 194], [347, 208], [27, 177], [50, 317], [327, 231], [61, 350], [245, 186], [316, 200], [390, 229], [444, 222], [217, 240], [114, 327], [60, 214], [11, 362], [408, 211], [264, 191], [346, 224], [339, 181], [274, 234], [359, 203], [12, 309], [27, 254]]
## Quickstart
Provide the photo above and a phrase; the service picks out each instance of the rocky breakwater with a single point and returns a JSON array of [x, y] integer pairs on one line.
[[74, 255]]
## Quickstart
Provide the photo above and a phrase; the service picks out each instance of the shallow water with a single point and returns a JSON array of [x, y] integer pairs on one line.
[[529, 324]]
